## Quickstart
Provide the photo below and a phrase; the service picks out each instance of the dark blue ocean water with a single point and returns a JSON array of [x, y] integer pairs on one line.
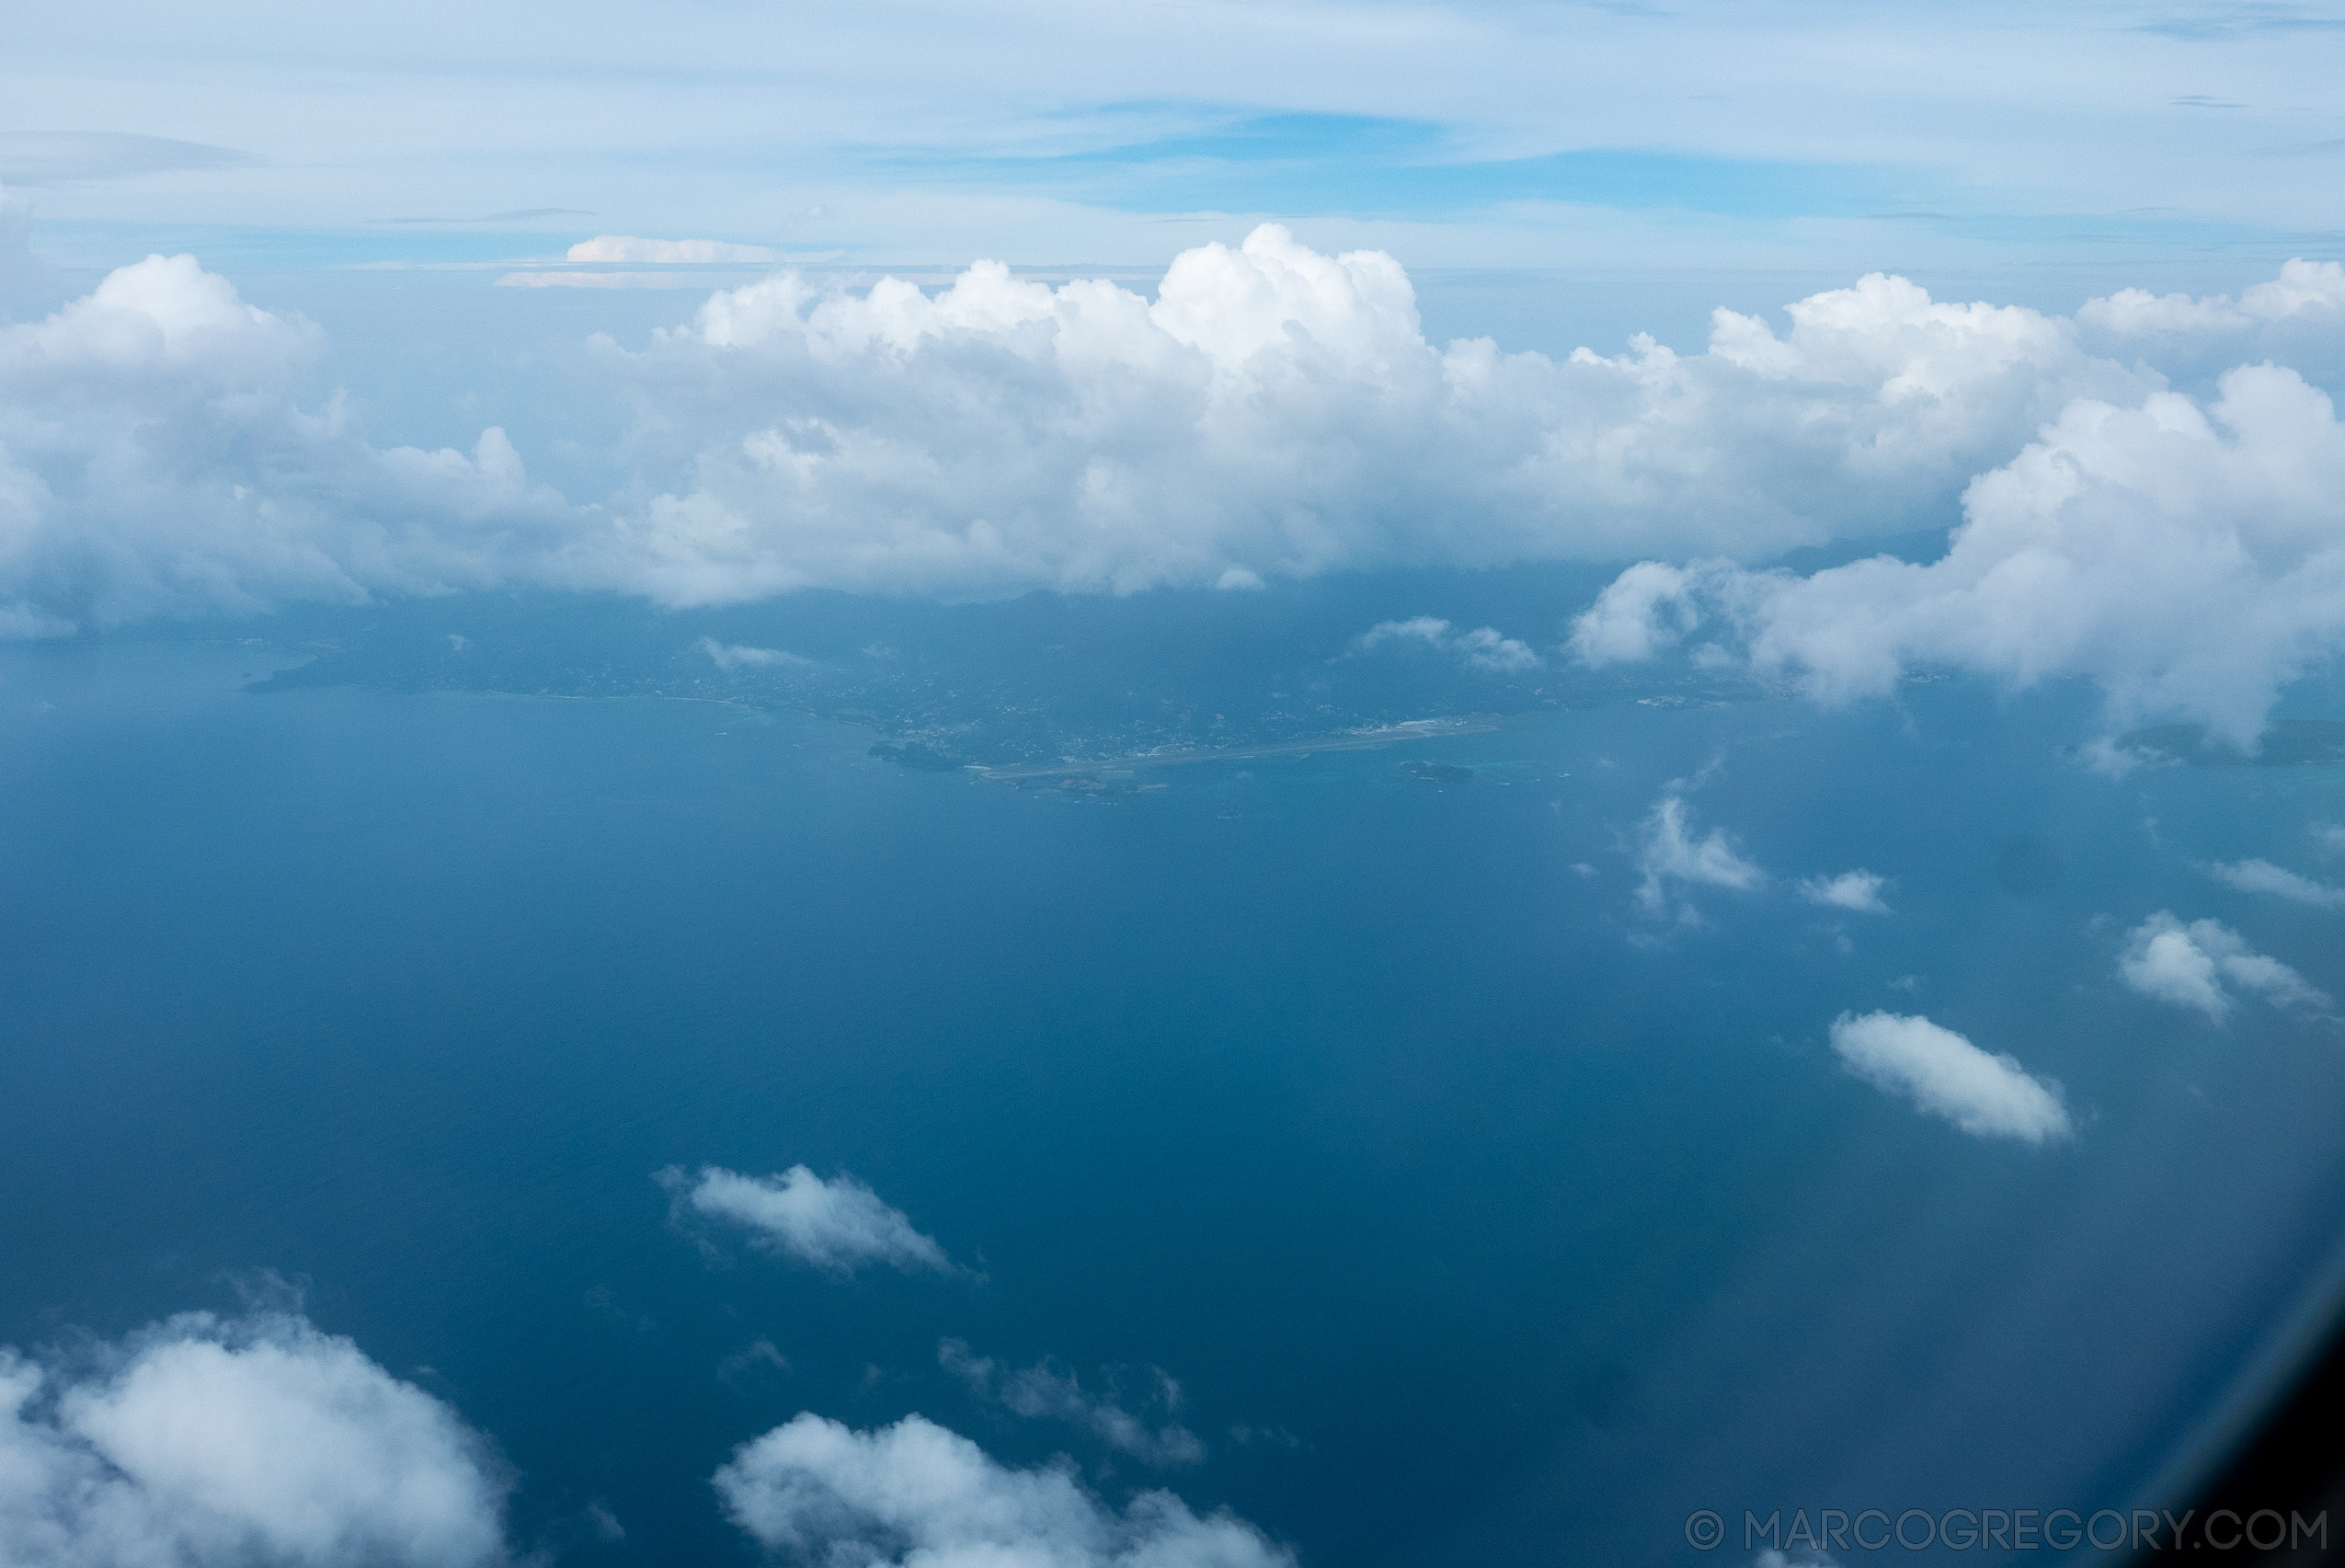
[[1341, 1097]]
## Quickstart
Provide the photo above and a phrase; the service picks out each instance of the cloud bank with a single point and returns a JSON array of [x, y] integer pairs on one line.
[[915, 1493], [2206, 966], [1271, 412], [1042, 1391], [1987, 1096], [838, 1225], [1278, 412], [207, 1442]]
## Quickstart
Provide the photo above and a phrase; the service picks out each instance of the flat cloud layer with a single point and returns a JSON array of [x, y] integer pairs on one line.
[[670, 252], [2205, 965], [840, 1224], [1271, 412], [1985, 1094], [916, 1493], [208, 1442]]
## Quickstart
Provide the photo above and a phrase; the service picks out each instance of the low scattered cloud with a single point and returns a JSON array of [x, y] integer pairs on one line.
[[916, 1493], [1042, 1391], [1671, 857], [1483, 647], [214, 1443], [734, 656], [2262, 876], [1985, 1095], [2207, 967], [756, 1360], [838, 1225], [1858, 890]]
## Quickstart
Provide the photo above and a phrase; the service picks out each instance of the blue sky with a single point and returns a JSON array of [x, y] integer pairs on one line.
[[2175, 141]]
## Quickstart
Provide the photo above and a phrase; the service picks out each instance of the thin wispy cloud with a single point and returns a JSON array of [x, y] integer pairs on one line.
[[670, 252], [65, 157], [2262, 876], [737, 656], [1043, 1391]]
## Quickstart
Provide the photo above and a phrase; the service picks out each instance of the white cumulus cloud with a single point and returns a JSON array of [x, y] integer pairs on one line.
[[1278, 412], [1984, 1093], [915, 1493], [2262, 876], [209, 1443], [2189, 559], [1043, 1391], [2204, 966], [1271, 412], [2314, 288], [155, 460], [1858, 890], [838, 1225]]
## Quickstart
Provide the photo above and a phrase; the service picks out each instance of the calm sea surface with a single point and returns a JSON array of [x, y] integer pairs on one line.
[[1479, 1218]]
